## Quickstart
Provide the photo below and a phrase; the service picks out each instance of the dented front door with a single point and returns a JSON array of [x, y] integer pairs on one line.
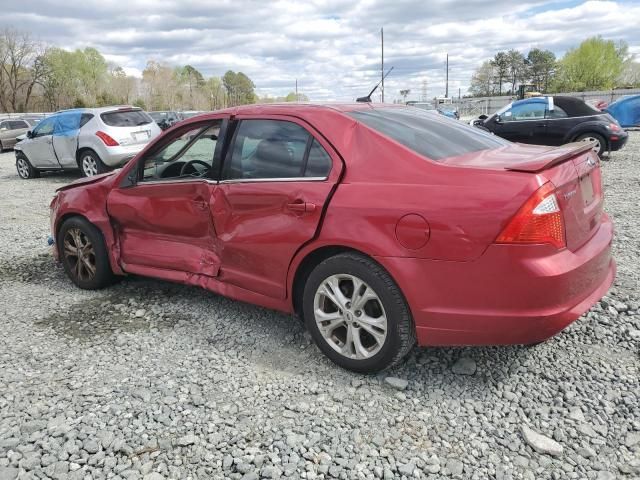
[[166, 225]]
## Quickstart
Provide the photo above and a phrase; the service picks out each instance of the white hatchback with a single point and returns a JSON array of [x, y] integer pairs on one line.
[[94, 140]]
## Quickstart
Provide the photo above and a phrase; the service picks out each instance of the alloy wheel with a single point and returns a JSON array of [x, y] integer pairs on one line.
[[79, 254], [596, 143], [23, 167], [350, 316], [89, 166]]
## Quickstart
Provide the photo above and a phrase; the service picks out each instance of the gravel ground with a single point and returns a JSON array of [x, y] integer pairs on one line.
[[153, 380]]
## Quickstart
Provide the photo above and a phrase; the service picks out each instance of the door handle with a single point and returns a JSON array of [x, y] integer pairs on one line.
[[541, 125], [301, 207]]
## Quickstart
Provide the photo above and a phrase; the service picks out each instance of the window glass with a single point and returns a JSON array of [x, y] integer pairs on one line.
[[189, 154], [125, 118], [526, 111], [429, 134], [319, 162], [17, 124], [557, 112], [267, 149], [68, 123], [4, 125], [45, 127]]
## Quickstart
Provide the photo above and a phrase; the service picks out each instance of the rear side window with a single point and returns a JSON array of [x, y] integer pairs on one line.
[[429, 134], [125, 118], [16, 124], [272, 149]]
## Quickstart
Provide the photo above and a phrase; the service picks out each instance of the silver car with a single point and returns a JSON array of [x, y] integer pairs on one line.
[[92, 139], [12, 128]]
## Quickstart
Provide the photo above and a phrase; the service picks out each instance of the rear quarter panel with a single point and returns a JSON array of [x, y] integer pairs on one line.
[[466, 208]]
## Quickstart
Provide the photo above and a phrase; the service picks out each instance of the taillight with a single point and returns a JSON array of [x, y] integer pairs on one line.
[[614, 128], [539, 220], [108, 140]]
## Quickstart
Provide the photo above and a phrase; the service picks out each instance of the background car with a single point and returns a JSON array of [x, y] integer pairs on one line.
[[412, 228], [10, 129], [555, 121], [92, 139], [165, 119], [626, 111]]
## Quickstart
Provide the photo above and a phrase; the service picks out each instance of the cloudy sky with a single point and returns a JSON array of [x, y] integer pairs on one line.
[[332, 47]]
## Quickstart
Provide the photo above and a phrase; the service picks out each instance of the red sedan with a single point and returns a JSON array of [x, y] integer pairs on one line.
[[381, 226]]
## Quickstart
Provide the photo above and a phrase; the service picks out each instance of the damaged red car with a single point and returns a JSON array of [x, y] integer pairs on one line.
[[380, 226]]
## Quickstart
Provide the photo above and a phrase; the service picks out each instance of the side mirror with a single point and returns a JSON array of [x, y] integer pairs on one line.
[[483, 117], [29, 134]]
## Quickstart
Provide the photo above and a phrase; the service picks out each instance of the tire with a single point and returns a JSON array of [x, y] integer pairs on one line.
[[389, 345], [79, 237], [90, 164], [594, 137], [1, 147], [24, 168]]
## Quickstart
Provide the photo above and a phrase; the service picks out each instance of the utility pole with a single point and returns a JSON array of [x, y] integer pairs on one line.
[[382, 61], [296, 89], [424, 90], [446, 91]]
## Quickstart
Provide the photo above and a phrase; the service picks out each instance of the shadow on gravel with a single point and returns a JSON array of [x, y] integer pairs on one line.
[[33, 270], [103, 316]]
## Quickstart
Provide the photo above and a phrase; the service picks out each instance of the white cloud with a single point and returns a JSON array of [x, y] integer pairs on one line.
[[332, 47]]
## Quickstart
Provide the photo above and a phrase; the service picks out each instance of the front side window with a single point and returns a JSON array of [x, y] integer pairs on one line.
[[45, 127], [274, 149], [527, 111], [189, 154]]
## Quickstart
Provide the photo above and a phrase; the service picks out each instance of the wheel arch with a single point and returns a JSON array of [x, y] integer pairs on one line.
[[308, 259], [81, 150]]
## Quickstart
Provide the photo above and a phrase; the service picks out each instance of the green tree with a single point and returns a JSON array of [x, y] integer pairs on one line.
[[541, 67], [595, 64], [291, 97], [516, 68], [192, 79], [240, 88], [483, 80], [500, 64], [404, 94]]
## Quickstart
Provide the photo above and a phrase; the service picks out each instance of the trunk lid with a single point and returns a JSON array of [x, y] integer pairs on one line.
[[579, 193], [573, 168]]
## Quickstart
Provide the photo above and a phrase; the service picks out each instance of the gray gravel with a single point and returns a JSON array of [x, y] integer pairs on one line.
[[150, 380]]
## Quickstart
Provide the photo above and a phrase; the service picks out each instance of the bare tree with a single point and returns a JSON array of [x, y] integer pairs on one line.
[[21, 68]]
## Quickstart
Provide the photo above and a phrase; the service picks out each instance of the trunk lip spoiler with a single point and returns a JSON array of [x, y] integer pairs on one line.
[[552, 157]]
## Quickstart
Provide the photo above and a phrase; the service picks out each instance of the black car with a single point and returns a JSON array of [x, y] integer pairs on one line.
[[165, 119], [555, 121]]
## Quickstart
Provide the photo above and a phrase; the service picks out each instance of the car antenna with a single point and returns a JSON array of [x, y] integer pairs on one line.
[[367, 99]]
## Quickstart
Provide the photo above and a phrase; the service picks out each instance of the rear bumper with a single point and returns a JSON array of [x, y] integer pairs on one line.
[[616, 142], [510, 295], [120, 155]]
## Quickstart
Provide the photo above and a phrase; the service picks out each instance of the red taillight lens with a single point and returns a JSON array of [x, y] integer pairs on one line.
[[539, 220], [108, 141]]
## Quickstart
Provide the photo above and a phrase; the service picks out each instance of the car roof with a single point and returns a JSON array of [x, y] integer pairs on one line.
[[304, 108], [99, 110], [573, 106]]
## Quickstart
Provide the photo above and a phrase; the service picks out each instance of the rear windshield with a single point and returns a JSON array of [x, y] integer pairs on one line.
[[125, 118], [429, 134]]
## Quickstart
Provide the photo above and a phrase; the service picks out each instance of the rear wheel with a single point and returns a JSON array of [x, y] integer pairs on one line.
[[25, 169], [91, 165], [356, 314], [83, 254], [599, 143]]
